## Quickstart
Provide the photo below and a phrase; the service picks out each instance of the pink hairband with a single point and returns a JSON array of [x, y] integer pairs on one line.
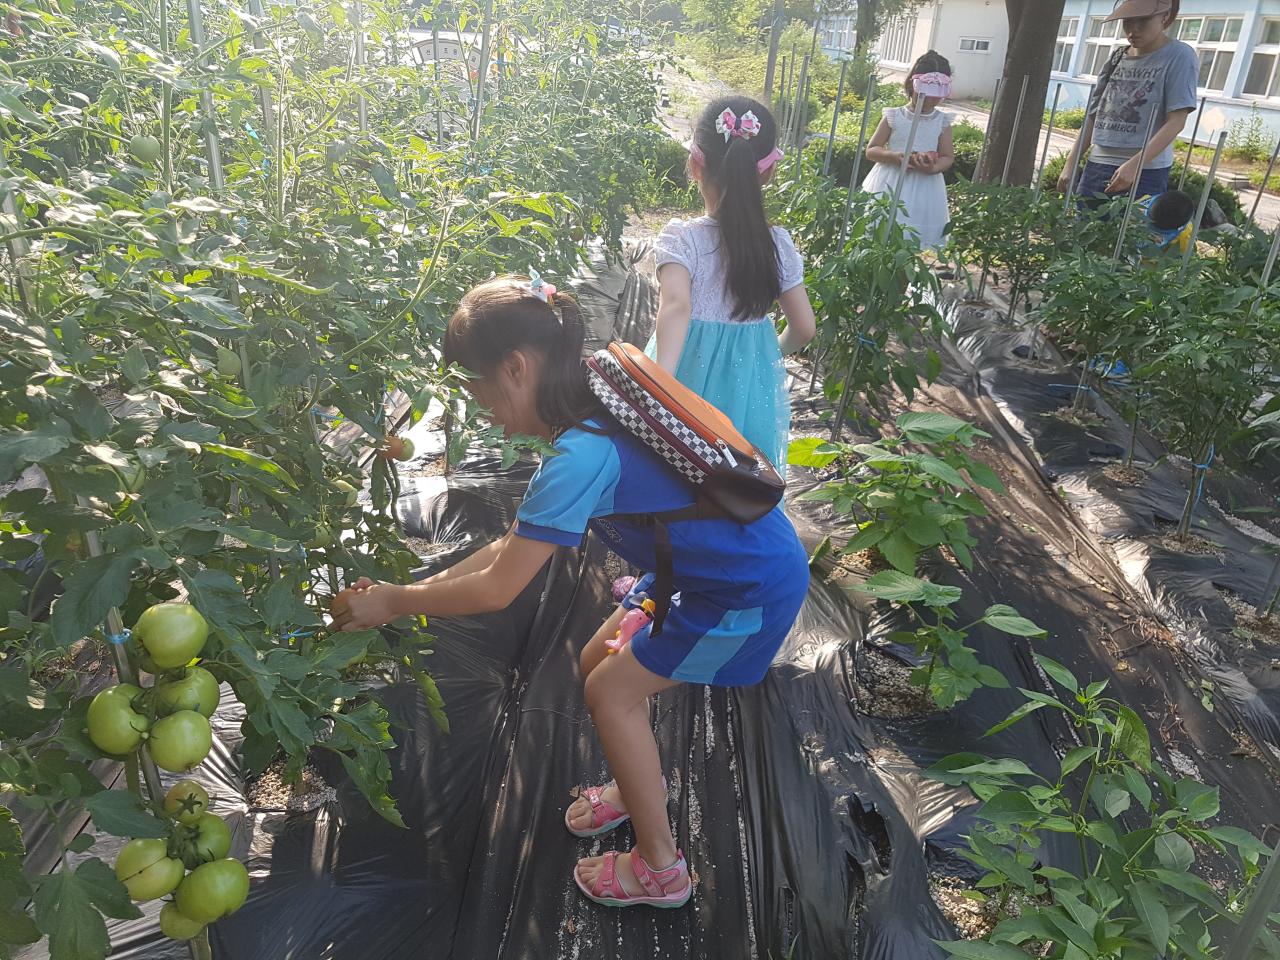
[[762, 165], [932, 84]]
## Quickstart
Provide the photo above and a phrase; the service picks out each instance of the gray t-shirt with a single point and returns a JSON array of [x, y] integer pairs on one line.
[[1164, 80]]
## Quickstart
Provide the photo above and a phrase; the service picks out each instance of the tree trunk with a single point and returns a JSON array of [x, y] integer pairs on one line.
[[864, 36], [1033, 32]]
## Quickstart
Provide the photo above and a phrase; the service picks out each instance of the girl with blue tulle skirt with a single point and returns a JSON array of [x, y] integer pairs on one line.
[[720, 275]]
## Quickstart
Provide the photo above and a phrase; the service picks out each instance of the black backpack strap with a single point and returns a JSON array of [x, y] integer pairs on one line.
[[664, 564]]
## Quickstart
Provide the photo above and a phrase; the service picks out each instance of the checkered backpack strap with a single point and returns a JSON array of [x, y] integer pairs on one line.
[[691, 435]]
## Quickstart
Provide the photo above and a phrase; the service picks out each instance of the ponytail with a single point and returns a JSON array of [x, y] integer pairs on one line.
[[504, 314], [732, 166]]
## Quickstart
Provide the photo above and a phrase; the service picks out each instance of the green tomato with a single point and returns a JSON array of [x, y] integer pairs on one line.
[[144, 148], [114, 726], [186, 801], [195, 690], [207, 839], [177, 926], [349, 493], [180, 741], [213, 890], [147, 870], [228, 362], [321, 539], [173, 633]]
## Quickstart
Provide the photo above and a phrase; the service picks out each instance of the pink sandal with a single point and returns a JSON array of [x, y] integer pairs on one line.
[[666, 888], [604, 815]]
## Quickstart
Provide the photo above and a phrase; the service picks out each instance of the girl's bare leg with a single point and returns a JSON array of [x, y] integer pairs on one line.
[[593, 654], [617, 693]]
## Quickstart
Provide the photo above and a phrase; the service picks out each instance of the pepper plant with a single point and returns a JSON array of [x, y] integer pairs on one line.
[[951, 671], [905, 501], [1135, 889]]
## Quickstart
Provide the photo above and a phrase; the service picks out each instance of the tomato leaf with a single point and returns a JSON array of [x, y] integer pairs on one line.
[[21, 447], [120, 813], [255, 460], [435, 702], [69, 908], [94, 586]]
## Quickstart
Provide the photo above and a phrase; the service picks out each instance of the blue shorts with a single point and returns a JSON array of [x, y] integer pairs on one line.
[[703, 641], [1096, 176]]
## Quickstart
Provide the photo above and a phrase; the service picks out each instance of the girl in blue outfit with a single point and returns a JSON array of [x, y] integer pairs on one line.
[[739, 586], [719, 276]]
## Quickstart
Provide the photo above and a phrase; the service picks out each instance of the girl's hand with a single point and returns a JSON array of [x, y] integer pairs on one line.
[[1122, 180], [365, 605], [1064, 180]]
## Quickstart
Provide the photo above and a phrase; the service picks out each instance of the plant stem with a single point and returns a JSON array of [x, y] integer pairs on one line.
[[1133, 432], [200, 949]]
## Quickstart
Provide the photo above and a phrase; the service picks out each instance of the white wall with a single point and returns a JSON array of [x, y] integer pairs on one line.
[[942, 26]]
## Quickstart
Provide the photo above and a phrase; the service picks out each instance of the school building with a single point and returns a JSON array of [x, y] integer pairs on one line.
[[1237, 41]]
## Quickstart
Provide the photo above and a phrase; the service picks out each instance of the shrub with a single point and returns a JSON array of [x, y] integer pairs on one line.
[[1226, 197], [1067, 119]]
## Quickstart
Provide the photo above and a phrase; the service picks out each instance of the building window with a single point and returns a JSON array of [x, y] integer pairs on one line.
[[1262, 81], [1101, 43], [974, 45], [1214, 40], [898, 39], [1064, 50]]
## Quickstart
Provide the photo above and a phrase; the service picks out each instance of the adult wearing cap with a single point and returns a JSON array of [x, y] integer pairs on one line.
[[1153, 73]]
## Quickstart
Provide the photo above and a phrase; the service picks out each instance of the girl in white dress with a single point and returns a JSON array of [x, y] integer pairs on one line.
[[924, 193]]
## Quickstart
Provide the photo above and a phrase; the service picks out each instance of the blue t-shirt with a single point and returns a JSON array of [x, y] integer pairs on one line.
[[595, 475]]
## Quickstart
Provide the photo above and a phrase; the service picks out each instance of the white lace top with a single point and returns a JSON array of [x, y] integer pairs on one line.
[[695, 245]]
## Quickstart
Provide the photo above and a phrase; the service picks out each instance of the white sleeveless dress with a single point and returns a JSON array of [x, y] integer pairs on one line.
[[923, 194]]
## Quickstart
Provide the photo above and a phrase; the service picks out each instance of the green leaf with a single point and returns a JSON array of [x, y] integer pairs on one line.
[[1245, 841], [134, 363], [984, 476], [255, 460], [930, 427], [942, 471], [1147, 903], [1137, 786], [1200, 800], [217, 595], [1132, 738], [1007, 620], [925, 531], [893, 585], [867, 537], [1116, 801], [993, 768], [16, 928], [1014, 717], [811, 452], [94, 586], [1173, 852], [69, 907], [280, 606], [1058, 672], [290, 724], [899, 551], [1075, 757], [120, 813], [21, 447], [341, 651], [980, 950], [1009, 806]]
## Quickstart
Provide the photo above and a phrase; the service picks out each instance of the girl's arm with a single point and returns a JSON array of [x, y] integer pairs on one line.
[[1131, 169], [675, 305], [513, 562], [1078, 149], [878, 150], [946, 153], [801, 325]]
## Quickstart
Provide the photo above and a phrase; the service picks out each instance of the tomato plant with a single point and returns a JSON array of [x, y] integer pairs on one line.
[[182, 331]]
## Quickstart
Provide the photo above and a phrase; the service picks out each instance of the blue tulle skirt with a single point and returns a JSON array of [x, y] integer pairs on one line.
[[738, 368]]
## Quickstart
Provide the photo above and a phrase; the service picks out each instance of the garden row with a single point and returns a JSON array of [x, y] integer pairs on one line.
[[229, 231], [1143, 838]]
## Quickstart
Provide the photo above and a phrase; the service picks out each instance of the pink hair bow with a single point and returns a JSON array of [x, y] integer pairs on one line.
[[730, 124], [932, 84]]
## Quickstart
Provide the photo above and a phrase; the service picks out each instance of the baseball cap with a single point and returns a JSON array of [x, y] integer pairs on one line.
[[1139, 8]]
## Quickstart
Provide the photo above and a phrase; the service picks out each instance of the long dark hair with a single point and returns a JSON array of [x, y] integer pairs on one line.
[[930, 62], [504, 314], [751, 280]]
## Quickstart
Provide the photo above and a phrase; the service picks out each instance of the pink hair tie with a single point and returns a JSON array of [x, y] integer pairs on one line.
[[763, 165]]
